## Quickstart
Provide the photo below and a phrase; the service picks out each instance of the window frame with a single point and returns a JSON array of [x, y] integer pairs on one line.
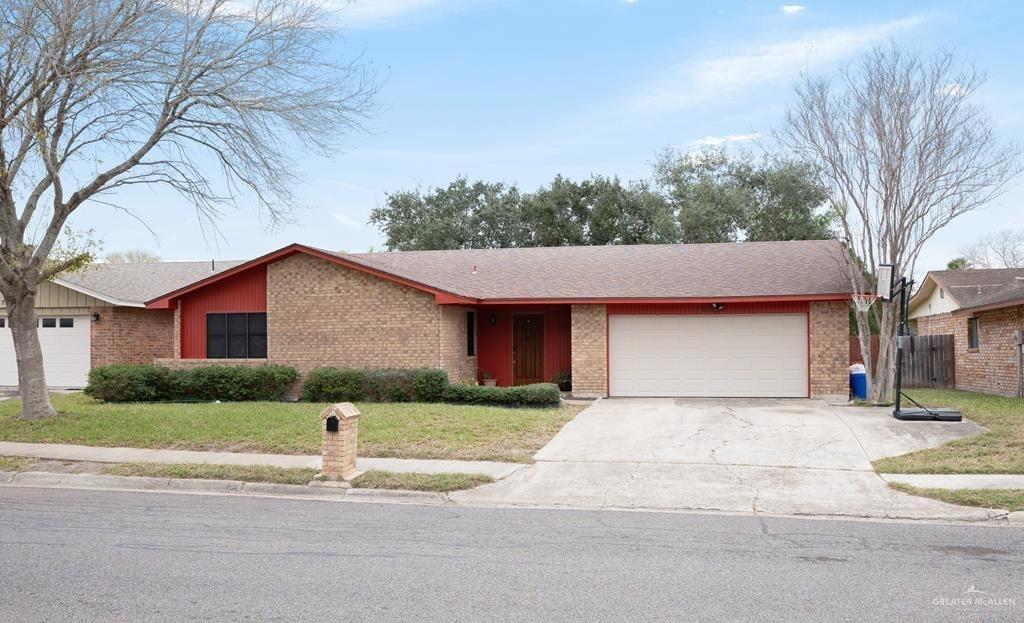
[[229, 320], [471, 333], [973, 333]]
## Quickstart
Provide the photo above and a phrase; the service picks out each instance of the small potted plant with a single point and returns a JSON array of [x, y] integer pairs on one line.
[[564, 381], [487, 379]]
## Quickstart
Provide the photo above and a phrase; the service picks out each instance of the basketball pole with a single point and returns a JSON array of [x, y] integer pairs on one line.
[[921, 412]]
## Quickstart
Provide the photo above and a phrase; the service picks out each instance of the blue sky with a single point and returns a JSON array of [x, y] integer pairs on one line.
[[519, 91]]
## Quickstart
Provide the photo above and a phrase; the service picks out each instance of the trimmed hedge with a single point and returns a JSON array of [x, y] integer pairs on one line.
[[538, 394], [144, 383], [389, 385]]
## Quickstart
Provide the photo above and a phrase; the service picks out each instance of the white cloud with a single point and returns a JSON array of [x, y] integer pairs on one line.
[[347, 221], [373, 13], [719, 141], [793, 9], [718, 78]]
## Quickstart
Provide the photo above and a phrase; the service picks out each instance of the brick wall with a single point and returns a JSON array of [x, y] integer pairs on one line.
[[130, 335], [589, 351], [992, 367], [461, 368], [829, 329], [323, 314], [188, 364]]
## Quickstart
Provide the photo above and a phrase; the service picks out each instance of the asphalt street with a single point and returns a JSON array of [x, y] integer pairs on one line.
[[69, 555]]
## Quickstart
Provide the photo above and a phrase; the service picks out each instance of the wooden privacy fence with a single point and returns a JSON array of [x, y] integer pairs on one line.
[[927, 359]]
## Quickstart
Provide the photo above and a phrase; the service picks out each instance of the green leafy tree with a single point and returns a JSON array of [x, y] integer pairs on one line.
[[785, 203], [706, 193], [958, 263]]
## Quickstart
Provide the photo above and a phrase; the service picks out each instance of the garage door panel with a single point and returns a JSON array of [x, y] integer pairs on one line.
[[66, 353], [739, 355]]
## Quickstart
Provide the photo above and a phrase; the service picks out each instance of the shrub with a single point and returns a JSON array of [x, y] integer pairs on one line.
[[233, 384], [539, 394], [334, 385], [130, 383], [388, 385], [144, 383]]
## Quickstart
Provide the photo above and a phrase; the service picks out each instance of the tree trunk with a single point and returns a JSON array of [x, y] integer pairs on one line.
[[35, 401], [884, 374]]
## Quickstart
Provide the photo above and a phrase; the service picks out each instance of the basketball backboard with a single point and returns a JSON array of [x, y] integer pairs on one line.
[[883, 281]]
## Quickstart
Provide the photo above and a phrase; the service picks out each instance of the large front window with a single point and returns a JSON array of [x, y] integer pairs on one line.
[[236, 336]]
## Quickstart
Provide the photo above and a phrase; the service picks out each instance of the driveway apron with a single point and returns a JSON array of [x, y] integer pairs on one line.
[[801, 457]]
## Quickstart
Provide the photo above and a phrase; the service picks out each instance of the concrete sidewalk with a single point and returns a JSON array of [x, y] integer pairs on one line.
[[958, 481], [96, 454]]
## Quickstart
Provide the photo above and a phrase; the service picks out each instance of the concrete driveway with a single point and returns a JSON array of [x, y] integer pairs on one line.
[[743, 455]]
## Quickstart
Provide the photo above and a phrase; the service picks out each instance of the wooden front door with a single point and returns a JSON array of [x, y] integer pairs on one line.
[[527, 349]]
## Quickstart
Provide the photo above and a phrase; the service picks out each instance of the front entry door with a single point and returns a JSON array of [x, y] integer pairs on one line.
[[527, 350]]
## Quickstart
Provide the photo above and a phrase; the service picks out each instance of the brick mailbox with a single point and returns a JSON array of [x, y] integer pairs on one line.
[[340, 425]]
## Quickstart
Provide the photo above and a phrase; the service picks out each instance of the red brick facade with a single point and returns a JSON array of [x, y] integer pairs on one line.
[[992, 367], [829, 326], [131, 335]]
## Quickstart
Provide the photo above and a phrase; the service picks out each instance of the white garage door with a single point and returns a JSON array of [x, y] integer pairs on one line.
[[65, 343], [720, 356]]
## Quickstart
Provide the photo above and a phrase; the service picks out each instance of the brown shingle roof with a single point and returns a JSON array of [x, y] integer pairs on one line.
[[136, 283], [746, 269], [980, 286]]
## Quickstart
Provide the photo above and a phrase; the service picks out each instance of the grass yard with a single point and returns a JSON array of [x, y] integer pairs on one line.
[[14, 463], [400, 430], [998, 451], [1009, 499], [245, 473], [443, 483]]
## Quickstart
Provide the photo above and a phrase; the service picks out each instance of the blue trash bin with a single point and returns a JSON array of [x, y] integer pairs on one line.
[[858, 382]]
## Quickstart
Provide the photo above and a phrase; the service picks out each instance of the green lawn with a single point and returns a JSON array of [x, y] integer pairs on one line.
[[1009, 499], [419, 482], [401, 430], [245, 473], [998, 451]]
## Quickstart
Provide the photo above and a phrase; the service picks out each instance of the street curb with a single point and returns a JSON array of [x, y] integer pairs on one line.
[[216, 487], [1015, 518], [398, 496]]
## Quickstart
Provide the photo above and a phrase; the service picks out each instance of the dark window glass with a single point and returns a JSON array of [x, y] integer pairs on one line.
[[67, 323], [973, 333], [3, 323], [470, 333], [49, 323], [257, 336], [216, 336], [236, 336]]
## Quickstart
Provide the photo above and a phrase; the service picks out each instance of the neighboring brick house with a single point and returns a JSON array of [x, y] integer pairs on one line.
[[98, 316], [739, 319], [981, 309]]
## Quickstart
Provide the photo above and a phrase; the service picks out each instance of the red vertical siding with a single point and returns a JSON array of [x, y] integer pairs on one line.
[[494, 341], [244, 292]]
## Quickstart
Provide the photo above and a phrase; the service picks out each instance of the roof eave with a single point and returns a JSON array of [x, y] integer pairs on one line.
[[106, 298], [778, 298], [997, 305], [167, 301]]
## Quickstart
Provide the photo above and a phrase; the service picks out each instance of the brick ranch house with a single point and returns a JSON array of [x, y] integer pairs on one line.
[[739, 319], [981, 309]]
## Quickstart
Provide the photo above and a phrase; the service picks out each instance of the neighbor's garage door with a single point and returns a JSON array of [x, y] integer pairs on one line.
[[65, 343], [722, 355]]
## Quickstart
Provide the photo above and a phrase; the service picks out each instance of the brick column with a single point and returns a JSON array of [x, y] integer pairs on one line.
[[829, 327], [340, 425], [589, 351]]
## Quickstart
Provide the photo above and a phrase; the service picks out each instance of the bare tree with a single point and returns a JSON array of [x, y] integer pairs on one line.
[[903, 152], [134, 256], [1002, 249], [205, 97]]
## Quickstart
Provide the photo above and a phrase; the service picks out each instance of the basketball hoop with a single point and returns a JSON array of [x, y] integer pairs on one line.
[[863, 302]]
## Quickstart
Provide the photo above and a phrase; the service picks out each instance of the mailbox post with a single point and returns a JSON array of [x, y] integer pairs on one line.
[[340, 424]]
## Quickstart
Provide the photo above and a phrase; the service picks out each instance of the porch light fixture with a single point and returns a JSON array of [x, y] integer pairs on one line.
[[493, 320], [95, 317], [717, 307]]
